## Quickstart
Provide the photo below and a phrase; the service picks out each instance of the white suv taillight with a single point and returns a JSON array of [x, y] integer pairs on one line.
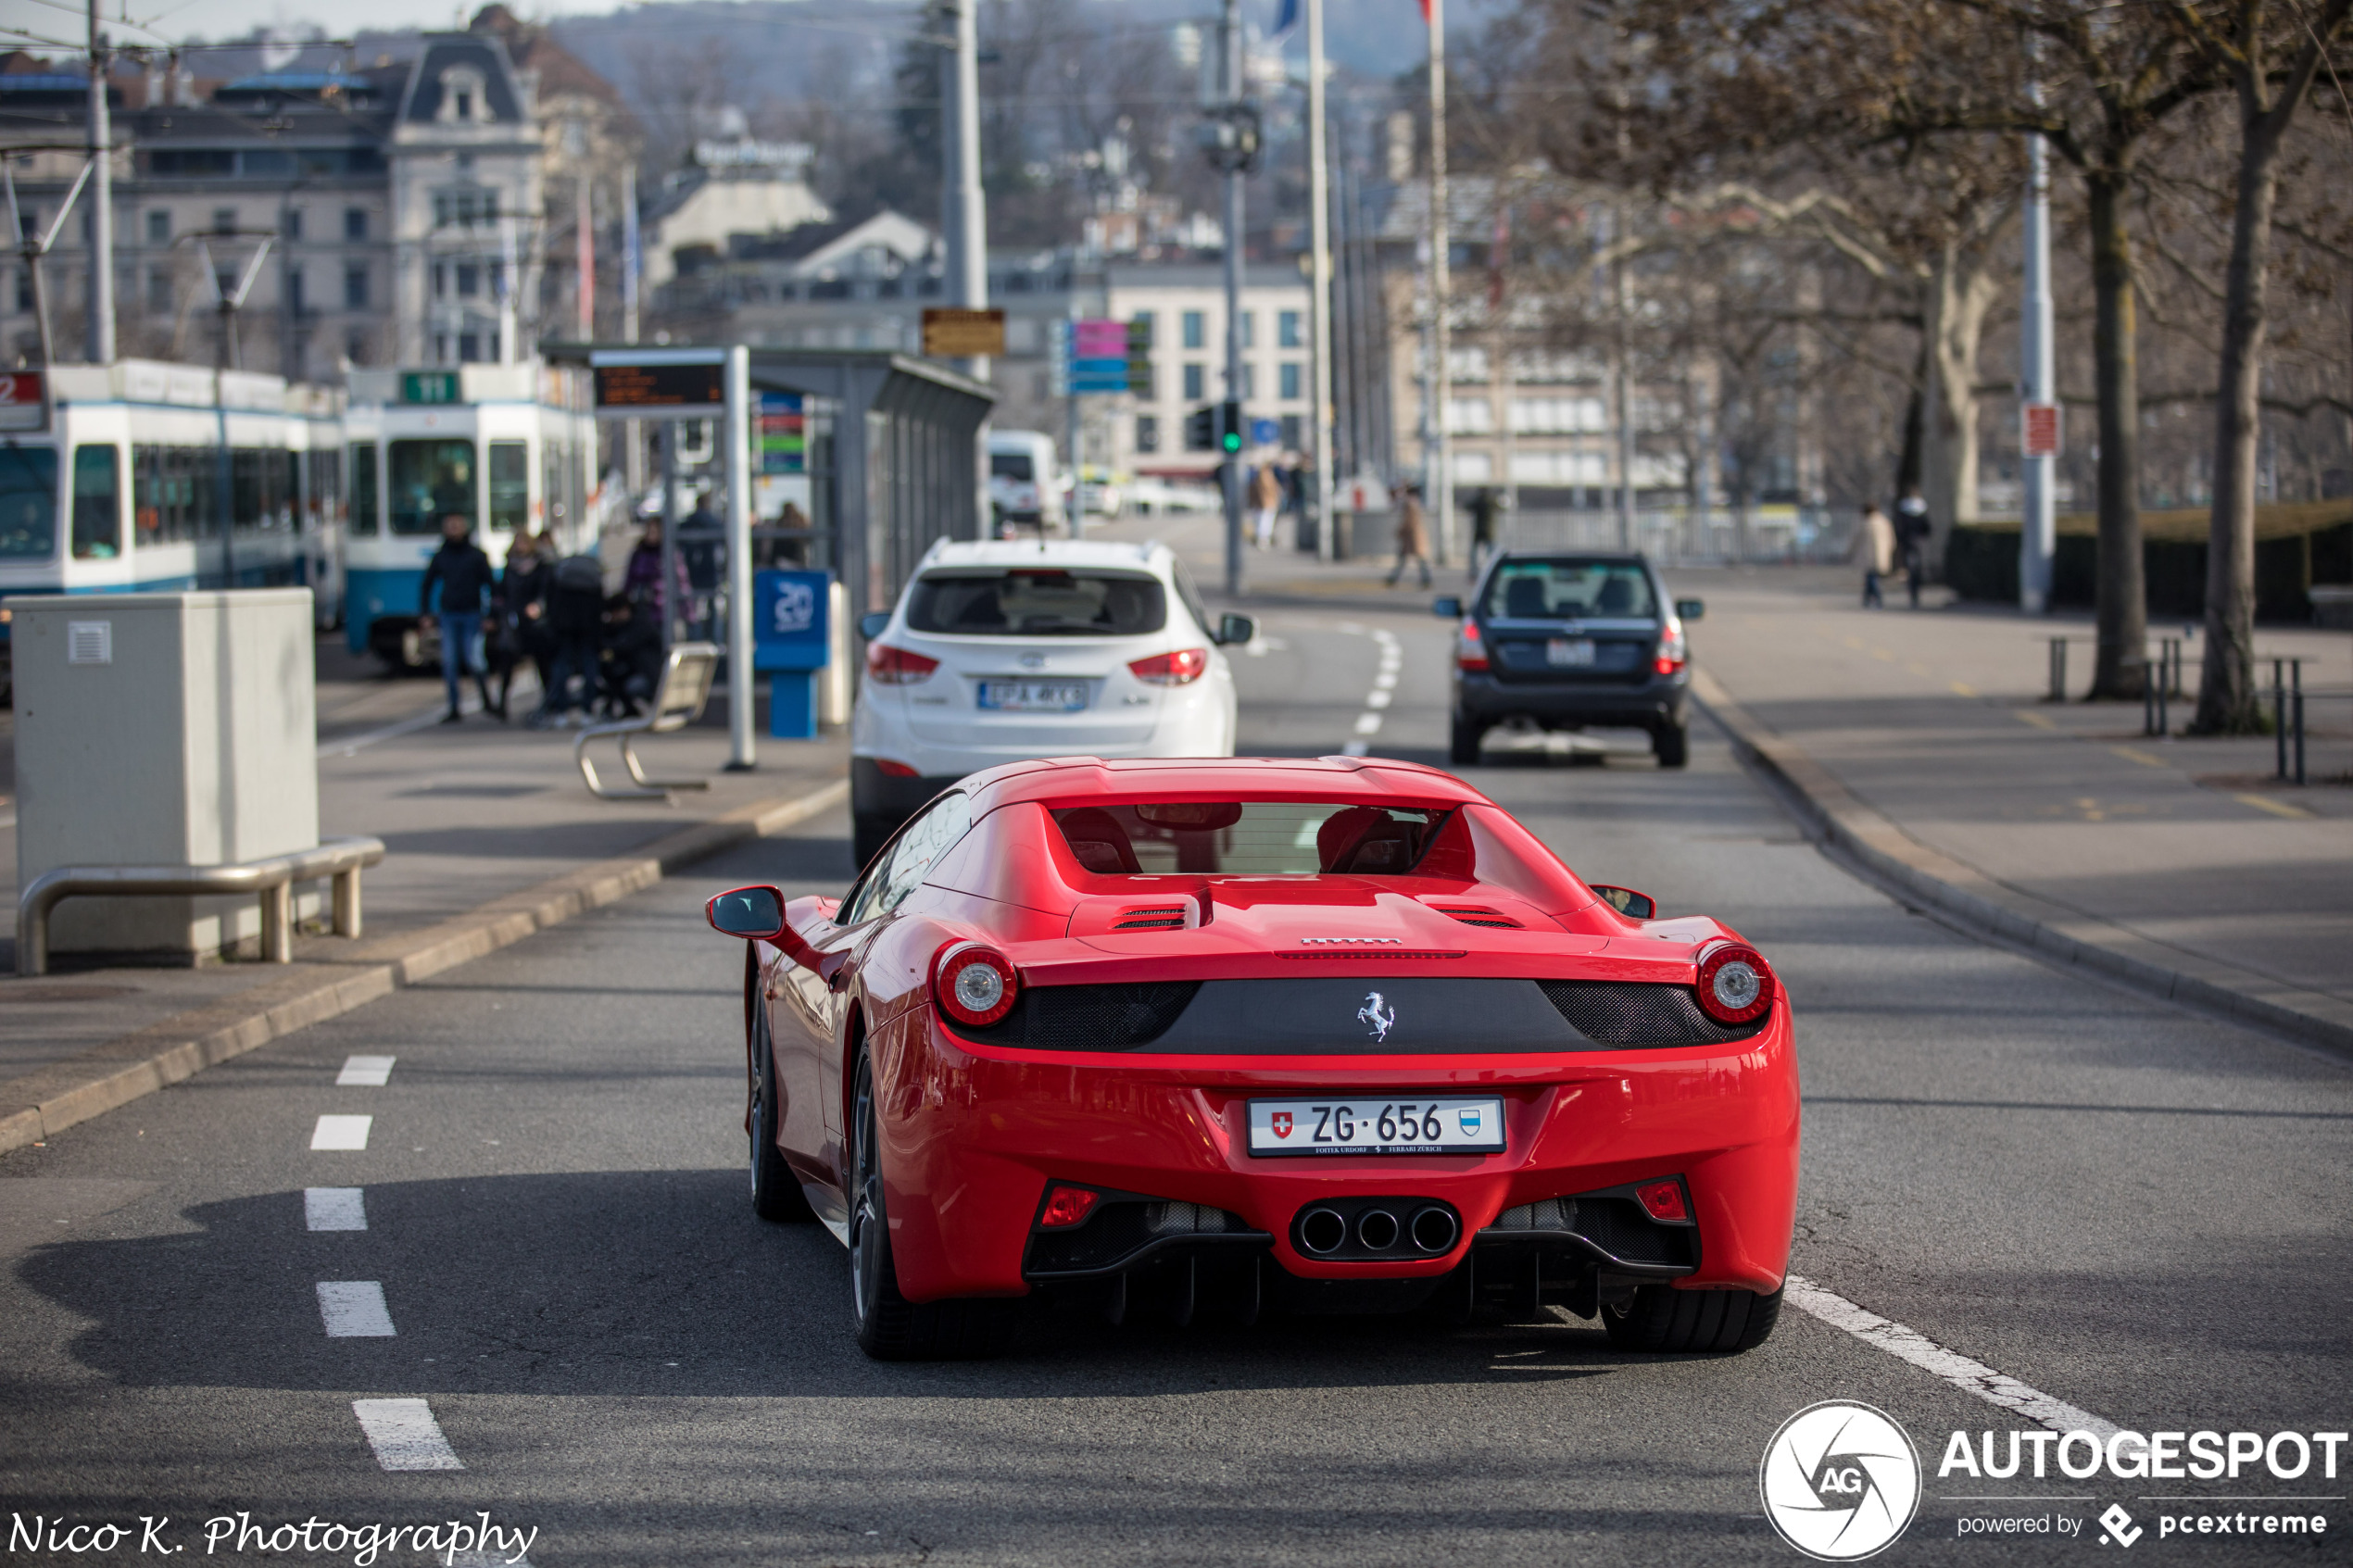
[[896, 667], [1180, 669]]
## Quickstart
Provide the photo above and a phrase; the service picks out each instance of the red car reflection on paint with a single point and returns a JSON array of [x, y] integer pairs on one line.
[[1246, 1034]]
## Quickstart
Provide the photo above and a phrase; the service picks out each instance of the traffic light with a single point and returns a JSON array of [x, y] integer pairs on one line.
[[1229, 428], [1139, 356], [1200, 429]]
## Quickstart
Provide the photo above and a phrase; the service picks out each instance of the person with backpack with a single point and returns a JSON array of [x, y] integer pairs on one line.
[[467, 587], [575, 628]]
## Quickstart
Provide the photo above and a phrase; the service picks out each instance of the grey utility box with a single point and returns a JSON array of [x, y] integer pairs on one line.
[[162, 728]]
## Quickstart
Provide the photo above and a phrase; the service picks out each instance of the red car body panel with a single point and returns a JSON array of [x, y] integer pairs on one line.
[[971, 1133]]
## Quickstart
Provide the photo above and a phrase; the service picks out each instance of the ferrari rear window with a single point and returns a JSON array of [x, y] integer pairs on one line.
[[1038, 604], [1249, 837]]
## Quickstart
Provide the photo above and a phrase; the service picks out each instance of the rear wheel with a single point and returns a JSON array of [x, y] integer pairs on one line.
[[1463, 736], [1663, 1320], [775, 1192], [1672, 743], [891, 1328]]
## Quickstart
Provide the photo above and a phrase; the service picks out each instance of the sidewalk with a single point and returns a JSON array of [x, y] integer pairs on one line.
[[489, 834]]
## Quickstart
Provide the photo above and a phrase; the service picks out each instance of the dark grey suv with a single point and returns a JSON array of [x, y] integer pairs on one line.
[[1567, 640]]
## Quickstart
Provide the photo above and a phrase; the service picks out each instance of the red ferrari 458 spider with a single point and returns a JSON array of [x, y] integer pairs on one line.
[[1335, 1035]]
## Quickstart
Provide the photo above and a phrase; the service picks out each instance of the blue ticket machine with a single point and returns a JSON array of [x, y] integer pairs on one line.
[[791, 644]]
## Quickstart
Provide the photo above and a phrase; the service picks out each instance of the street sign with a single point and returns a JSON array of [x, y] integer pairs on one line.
[[788, 627], [1264, 433], [1098, 355], [782, 440], [963, 334], [674, 384], [24, 402], [2039, 430], [429, 386]]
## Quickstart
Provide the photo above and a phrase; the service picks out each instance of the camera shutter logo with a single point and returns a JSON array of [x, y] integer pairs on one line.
[[1840, 1481]]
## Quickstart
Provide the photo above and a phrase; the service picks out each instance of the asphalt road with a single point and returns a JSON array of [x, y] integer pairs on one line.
[[2137, 1211]]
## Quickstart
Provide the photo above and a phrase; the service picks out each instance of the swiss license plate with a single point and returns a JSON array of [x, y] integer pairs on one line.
[[1569, 653], [1332, 1125], [1034, 697]]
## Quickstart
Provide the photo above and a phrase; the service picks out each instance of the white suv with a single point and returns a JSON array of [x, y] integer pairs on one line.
[[1001, 652]]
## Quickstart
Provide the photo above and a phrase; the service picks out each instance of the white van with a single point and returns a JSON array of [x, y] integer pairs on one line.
[[1024, 486]]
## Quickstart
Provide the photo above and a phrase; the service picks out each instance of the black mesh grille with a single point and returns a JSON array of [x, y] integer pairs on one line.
[[1120, 1228], [1619, 1227], [1472, 916], [1150, 920], [1088, 1018], [1613, 1012]]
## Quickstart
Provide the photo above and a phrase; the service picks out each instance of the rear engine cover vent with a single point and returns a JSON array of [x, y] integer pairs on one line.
[[1474, 914], [1168, 918], [1134, 916]]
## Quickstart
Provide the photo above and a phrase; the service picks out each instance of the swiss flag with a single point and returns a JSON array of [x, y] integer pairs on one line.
[[1281, 1121]]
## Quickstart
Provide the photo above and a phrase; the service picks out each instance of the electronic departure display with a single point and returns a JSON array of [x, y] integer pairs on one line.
[[660, 386]]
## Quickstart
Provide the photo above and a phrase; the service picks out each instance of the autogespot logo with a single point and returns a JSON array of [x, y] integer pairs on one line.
[[1840, 1481]]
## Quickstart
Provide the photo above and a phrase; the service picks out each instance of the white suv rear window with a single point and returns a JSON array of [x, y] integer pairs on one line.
[[992, 603]]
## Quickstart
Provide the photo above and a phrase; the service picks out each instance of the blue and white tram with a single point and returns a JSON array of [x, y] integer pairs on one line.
[[147, 475], [511, 447]]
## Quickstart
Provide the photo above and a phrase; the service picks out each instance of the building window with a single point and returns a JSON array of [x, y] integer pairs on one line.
[[1287, 330], [158, 227], [1196, 382], [355, 288], [159, 291], [294, 222], [468, 348], [24, 288], [224, 219], [465, 206], [469, 280], [1294, 433], [1291, 388], [355, 348], [1250, 329], [440, 280], [293, 291], [1146, 432], [1196, 334], [1469, 416], [355, 222], [1250, 380], [1142, 386]]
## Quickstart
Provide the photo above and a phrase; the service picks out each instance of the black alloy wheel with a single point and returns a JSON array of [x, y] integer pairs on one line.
[[891, 1328], [775, 1192], [1672, 743], [1661, 1319]]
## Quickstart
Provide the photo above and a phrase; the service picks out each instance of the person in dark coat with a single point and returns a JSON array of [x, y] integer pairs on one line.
[[631, 662], [467, 587], [1912, 530], [522, 608], [643, 581], [1482, 520], [576, 626]]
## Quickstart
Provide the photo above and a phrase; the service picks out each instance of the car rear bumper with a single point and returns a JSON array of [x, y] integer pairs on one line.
[[1562, 703], [973, 1134]]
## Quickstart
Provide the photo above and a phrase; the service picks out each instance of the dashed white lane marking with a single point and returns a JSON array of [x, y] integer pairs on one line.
[[1969, 1376], [1378, 698], [405, 1435], [1355, 749], [334, 1209], [1368, 724], [365, 1072], [340, 1132], [354, 1309]]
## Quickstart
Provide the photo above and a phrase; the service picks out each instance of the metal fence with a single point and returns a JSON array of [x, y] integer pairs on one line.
[[1688, 536]]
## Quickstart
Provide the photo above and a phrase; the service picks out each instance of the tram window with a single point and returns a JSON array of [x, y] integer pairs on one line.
[[28, 502], [323, 485], [510, 487], [363, 488], [97, 503], [431, 480]]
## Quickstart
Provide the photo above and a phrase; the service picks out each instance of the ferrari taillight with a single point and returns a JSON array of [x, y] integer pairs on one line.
[[1662, 1201], [1180, 669], [974, 985], [1066, 1206], [896, 667], [1470, 653], [1734, 985]]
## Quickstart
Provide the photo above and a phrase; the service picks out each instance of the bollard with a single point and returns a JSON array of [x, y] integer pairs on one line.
[[2058, 670], [2164, 685], [2149, 702], [2295, 673], [2279, 716]]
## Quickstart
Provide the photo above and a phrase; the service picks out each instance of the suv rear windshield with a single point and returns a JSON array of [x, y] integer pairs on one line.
[[1036, 604], [1570, 590], [1249, 837]]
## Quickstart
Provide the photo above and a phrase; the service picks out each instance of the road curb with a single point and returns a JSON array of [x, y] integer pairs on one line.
[[1918, 873], [51, 1098]]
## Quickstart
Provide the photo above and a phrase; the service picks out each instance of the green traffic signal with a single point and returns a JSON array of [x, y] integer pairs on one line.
[[1233, 440]]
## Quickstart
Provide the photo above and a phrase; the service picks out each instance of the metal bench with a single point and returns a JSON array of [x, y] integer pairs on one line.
[[273, 878], [678, 701]]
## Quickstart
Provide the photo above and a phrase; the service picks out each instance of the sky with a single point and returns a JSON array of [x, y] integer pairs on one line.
[[179, 20]]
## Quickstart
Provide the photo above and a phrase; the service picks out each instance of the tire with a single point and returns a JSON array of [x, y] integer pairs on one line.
[[1463, 736], [868, 834], [891, 1328], [1666, 1321], [1672, 743], [775, 1192]]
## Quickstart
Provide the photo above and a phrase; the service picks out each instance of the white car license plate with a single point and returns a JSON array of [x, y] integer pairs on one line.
[[1569, 653], [1034, 697], [1367, 1124]]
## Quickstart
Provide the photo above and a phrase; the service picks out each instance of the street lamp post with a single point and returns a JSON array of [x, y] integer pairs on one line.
[[2039, 463]]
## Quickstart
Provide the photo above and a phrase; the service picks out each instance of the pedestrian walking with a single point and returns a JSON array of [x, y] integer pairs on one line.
[[523, 609], [1875, 550], [1912, 530], [1266, 503], [467, 585], [1482, 516], [575, 622], [1412, 535]]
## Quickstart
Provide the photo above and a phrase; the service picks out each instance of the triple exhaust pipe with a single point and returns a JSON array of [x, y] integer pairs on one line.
[[1431, 1228]]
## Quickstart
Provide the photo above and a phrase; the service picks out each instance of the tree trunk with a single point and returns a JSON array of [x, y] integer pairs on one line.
[[1910, 461], [1960, 294], [2122, 606]]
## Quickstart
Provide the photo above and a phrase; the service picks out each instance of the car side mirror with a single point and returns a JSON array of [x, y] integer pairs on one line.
[[873, 624], [1450, 607], [1626, 902], [1691, 609], [1235, 630], [757, 914]]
